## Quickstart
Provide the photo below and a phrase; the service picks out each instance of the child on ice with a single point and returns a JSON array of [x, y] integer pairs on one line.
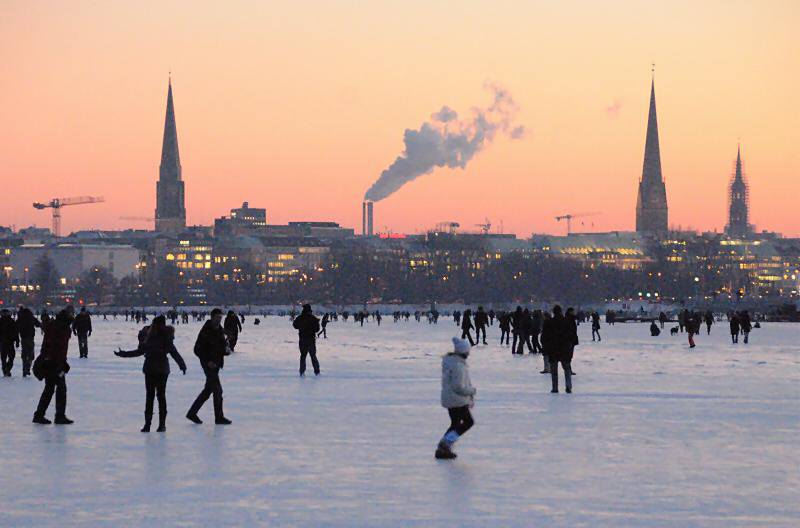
[[458, 395]]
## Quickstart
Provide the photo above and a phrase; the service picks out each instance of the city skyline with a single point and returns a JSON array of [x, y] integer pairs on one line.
[[299, 162]]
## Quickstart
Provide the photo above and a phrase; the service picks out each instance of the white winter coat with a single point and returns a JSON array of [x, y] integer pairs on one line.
[[457, 390]]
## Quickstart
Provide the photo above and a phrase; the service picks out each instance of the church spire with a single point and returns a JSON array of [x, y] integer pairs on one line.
[[738, 202], [170, 209], [651, 203]]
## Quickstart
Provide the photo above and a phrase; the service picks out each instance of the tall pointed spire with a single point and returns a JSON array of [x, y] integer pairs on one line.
[[170, 210], [738, 201], [651, 203]]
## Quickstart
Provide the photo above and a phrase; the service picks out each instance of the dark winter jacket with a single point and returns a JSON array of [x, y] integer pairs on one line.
[[518, 321], [9, 333], [155, 348], [466, 322], [734, 325], [82, 324], [556, 340], [232, 325], [307, 326], [505, 322], [211, 345], [56, 341], [481, 319], [27, 324]]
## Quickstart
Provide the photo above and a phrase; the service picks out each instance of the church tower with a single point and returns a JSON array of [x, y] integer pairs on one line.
[[651, 202], [738, 202], [170, 210]]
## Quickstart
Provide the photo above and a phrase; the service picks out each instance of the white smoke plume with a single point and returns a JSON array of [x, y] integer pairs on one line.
[[447, 141]]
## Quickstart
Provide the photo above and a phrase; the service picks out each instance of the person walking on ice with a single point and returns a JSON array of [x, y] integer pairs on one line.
[[458, 396]]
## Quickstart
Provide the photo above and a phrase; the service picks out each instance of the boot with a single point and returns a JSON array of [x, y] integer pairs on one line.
[[40, 419], [148, 419], [222, 421], [219, 416], [192, 416], [443, 452], [162, 423], [63, 420]]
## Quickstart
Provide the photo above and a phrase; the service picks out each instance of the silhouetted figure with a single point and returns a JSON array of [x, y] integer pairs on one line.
[[27, 323], [654, 330], [517, 323], [596, 326], [53, 367], [504, 320], [466, 326], [744, 322], [481, 321], [662, 318], [155, 343], [559, 347], [82, 327], [709, 319], [211, 349], [458, 395], [9, 341], [324, 326], [232, 327], [735, 328], [524, 332], [307, 326], [546, 344]]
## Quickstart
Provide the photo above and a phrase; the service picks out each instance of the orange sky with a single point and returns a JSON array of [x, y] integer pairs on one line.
[[298, 107]]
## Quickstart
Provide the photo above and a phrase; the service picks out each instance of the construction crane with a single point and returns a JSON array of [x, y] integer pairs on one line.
[[485, 227], [137, 218], [57, 203], [570, 216]]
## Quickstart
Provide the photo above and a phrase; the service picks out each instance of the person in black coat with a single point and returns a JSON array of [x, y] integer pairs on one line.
[[211, 348], [517, 324], [232, 328], [504, 319], [27, 323], [559, 347], [155, 343], [307, 326], [82, 327], [9, 341], [481, 322], [572, 335], [466, 326]]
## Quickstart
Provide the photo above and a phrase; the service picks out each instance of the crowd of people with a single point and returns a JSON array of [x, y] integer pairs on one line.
[[551, 333]]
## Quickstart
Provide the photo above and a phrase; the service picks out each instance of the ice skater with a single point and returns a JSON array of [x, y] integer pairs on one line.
[[155, 343], [324, 326], [481, 321], [466, 326], [560, 344], [82, 328], [307, 326], [9, 341], [232, 327], [211, 347], [504, 320], [27, 323], [53, 367], [458, 396], [596, 326]]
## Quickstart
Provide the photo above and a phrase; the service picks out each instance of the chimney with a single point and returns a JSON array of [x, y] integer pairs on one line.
[[364, 218], [370, 229]]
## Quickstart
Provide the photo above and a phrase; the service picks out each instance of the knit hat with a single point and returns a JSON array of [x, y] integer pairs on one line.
[[460, 346]]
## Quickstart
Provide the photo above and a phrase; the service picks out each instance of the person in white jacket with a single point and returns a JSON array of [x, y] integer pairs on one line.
[[458, 395]]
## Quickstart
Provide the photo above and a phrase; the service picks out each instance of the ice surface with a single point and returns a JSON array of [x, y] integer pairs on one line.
[[654, 435]]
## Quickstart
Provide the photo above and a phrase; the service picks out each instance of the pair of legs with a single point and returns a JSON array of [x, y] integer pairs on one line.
[[27, 354], [460, 422], [465, 334], [524, 340], [83, 345], [478, 331], [596, 332], [213, 387], [567, 366], [504, 335], [746, 337], [232, 340], [7, 355], [691, 339], [546, 369], [308, 347], [734, 338], [155, 385], [53, 383]]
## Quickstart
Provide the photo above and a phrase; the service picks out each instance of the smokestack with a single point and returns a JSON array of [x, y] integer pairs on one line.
[[364, 218], [370, 229]]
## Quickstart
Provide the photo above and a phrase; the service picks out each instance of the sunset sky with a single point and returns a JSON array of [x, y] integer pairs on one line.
[[299, 106]]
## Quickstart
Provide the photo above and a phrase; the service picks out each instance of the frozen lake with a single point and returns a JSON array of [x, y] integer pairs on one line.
[[654, 435]]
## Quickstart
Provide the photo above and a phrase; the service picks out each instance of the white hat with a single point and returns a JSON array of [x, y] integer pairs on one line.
[[460, 346]]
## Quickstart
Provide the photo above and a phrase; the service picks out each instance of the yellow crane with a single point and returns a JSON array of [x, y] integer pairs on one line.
[[57, 203]]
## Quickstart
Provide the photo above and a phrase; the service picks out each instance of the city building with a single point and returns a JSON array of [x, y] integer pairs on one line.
[[170, 209], [651, 201], [71, 260]]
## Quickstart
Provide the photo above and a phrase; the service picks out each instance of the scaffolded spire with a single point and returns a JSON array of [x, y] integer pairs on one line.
[[738, 201]]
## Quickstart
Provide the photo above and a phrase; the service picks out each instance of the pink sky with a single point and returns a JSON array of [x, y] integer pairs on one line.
[[298, 107]]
